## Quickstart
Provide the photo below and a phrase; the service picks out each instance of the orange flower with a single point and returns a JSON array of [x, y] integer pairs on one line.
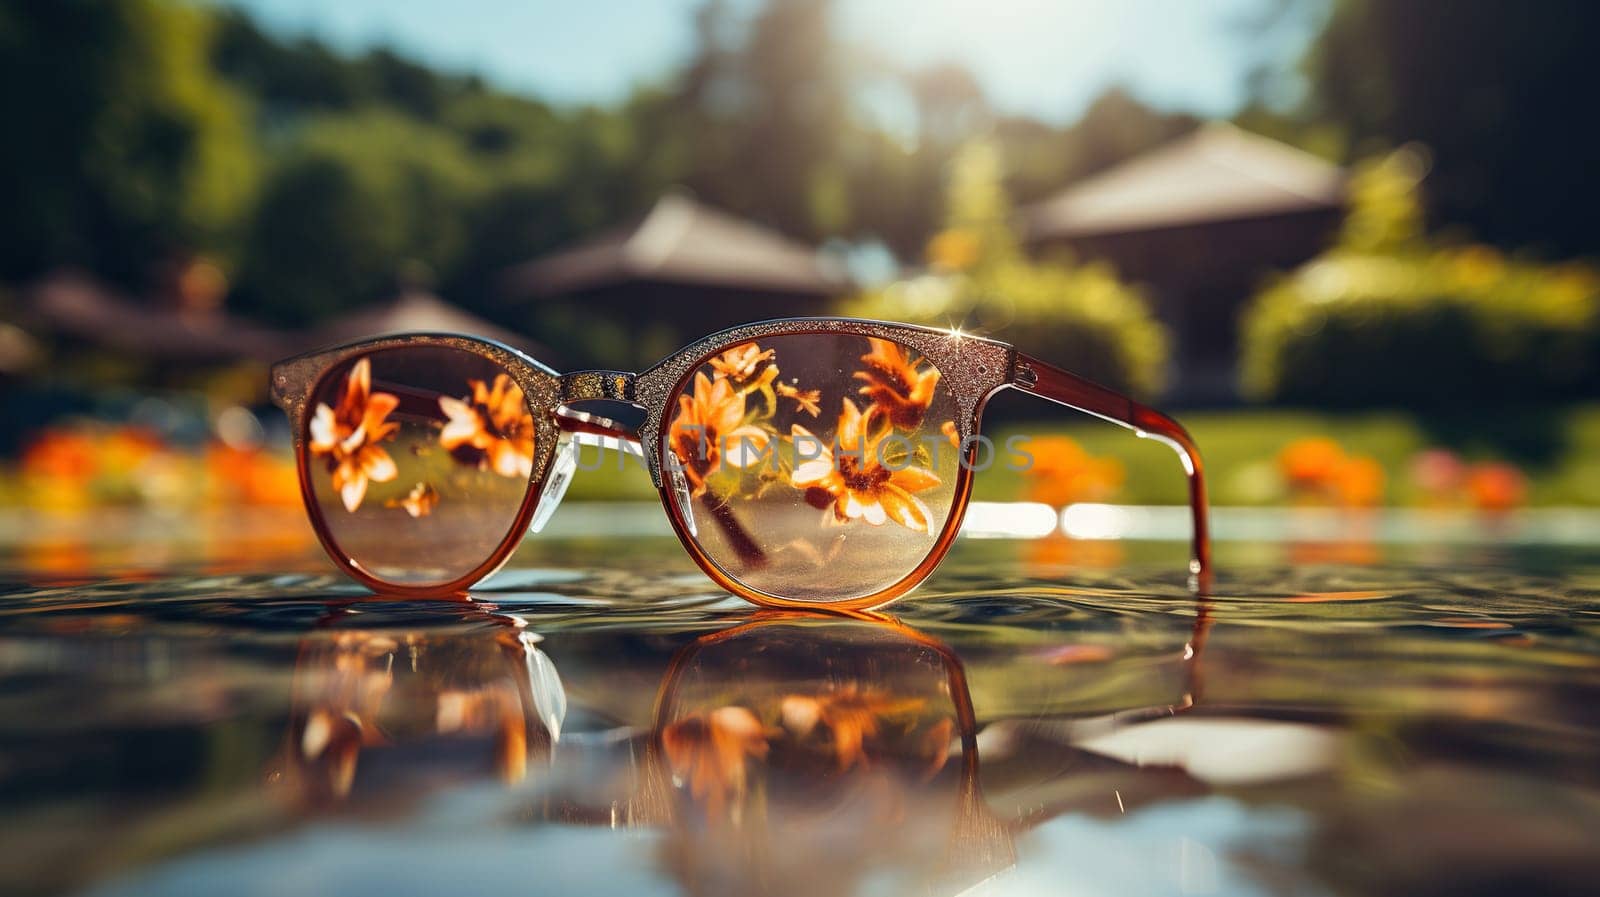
[[60, 453], [492, 427], [849, 719], [1359, 482], [1062, 473], [1496, 486], [858, 486], [895, 383], [805, 399], [419, 502], [742, 363], [709, 422], [708, 751], [348, 436], [1311, 462]]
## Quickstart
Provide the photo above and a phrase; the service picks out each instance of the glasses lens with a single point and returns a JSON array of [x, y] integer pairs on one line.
[[419, 460], [815, 467]]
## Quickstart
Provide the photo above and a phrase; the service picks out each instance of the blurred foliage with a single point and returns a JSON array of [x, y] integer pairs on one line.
[[979, 279], [124, 149], [387, 172], [321, 180], [1493, 89], [356, 197], [1385, 203], [1388, 318], [763, 115]]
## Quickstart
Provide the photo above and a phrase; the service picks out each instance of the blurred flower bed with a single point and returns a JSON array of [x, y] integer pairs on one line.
[[88, 464], [1530, 457], [1318, 471]]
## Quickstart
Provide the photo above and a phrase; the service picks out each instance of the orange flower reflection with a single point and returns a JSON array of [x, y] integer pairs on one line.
[[419, 502], [858, 485], [742, 363], [806, 400], [948, 428], [348, 436], [848, 720], [709, 422], [709, 751], [493, 426], [895, 383]]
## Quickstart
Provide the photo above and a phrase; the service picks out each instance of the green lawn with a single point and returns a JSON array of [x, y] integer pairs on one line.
[[1558, 449]]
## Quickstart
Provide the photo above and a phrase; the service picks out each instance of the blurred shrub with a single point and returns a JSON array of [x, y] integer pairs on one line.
[[1385, 318], [1082, 316]]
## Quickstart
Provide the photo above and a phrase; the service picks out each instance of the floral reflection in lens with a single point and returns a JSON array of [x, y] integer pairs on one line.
[[813, 453]]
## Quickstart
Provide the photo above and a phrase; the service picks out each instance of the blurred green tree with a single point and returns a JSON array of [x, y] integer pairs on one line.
[[357, 202], [124, 149], [1494, 89], [762, 106], [498, 178]]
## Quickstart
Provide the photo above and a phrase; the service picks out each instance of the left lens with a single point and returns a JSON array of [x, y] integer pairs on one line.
[[814, 466], [419, 459]]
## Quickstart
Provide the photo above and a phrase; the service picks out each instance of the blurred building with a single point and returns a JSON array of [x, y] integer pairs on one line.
[[681, 271], [1199, 222], [418, 311], [78, 312]]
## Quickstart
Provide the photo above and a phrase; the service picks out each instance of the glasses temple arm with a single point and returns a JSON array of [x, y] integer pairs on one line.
[[1063, 387]]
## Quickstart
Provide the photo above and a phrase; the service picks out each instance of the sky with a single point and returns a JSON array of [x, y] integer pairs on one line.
[[1047, 58]]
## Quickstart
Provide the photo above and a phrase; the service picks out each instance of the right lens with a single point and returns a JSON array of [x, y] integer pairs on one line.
[[814, 466], [419, 459]]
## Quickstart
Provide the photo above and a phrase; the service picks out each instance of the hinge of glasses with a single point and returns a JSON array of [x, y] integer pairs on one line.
[[1023, 375]]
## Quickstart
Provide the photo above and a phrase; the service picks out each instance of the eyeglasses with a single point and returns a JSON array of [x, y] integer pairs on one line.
[[802, 462]]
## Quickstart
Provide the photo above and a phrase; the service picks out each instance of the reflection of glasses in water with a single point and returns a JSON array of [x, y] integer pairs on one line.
[[792, 738], [385, 711], [801, 462], [793, 752], [795, 737]]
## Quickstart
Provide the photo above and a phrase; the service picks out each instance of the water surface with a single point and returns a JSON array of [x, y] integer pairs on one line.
[[1044, 717]]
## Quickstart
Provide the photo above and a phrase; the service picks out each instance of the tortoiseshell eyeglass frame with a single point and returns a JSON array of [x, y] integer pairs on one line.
[[972, 368]]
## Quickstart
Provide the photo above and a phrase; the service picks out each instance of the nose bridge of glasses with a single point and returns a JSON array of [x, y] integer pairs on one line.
[[595, 408], [599, 404], [582, 386]]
